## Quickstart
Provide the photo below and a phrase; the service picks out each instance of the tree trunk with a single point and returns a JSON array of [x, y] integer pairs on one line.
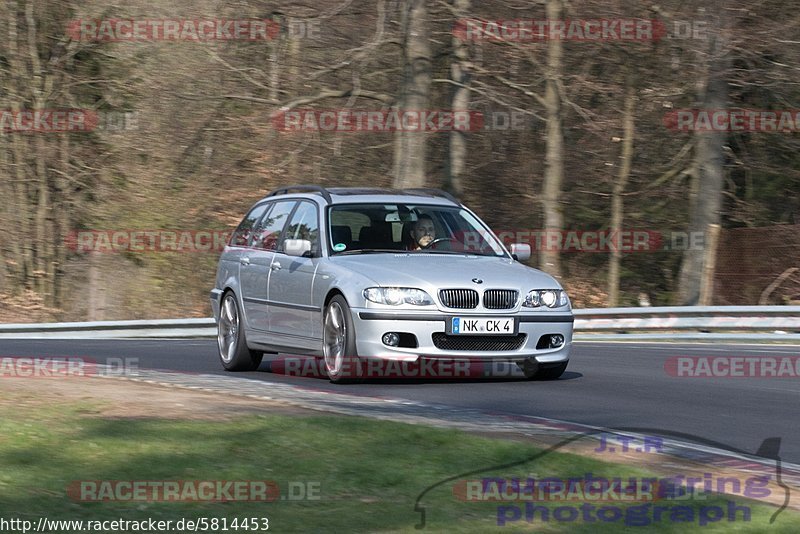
[[459, 73], [5, 216], [550, 260], [95, 294], [23, 214], [43, 233], [15, 84], [409, 147], [274, 62], [294, 84], [706, 200], [617, 207], [710, 265], [62, 222]]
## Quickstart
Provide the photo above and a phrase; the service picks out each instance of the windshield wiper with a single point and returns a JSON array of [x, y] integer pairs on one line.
[[422, 251], [453, 252], [433, 251], [367, 251]]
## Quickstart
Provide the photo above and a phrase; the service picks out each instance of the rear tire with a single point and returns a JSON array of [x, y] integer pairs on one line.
[[231, 339], [342, 363]]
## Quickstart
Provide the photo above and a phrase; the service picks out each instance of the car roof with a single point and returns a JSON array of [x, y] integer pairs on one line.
[[351, 195]]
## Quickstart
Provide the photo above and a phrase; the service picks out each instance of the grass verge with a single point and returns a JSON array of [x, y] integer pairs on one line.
[[366, 474]]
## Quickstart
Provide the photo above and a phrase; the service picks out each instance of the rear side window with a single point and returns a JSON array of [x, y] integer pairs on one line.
[[241, 237], [268, 233], [304, 224]]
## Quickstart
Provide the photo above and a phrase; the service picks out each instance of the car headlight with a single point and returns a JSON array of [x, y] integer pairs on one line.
[[552, 298], [395, 296]]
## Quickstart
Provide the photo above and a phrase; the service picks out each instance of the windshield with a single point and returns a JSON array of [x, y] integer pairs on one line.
[[388, 228]]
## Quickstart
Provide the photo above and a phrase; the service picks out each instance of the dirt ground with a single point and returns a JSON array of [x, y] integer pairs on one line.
[[129, 399]]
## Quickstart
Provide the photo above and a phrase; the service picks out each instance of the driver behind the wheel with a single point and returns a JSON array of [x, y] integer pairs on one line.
[[422, 233]]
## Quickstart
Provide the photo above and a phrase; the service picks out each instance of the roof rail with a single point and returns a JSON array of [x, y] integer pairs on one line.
[[434, 192], [303, 187]]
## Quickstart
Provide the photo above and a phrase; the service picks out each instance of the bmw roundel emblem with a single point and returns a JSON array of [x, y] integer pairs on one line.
[[477, 280]]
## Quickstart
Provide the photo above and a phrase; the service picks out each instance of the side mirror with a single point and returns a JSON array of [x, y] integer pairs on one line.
[[297, 247], [520, 251]]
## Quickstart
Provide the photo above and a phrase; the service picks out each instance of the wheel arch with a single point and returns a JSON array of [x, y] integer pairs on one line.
[[332, 293]]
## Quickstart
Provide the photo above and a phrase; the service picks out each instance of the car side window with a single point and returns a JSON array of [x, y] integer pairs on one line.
[[241, 236], [346, 226], [268, 233], [304, 225]]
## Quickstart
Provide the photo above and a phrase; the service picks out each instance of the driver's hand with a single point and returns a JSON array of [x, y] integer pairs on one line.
[[425, 240]]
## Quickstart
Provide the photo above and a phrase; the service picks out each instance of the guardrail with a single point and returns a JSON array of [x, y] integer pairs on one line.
[[712, 323], [157, 328], [776, 323]]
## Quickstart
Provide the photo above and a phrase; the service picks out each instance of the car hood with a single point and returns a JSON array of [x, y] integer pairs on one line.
[[433, 271]]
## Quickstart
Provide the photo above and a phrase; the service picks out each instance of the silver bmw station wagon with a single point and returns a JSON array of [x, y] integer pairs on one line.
[[366, 275]]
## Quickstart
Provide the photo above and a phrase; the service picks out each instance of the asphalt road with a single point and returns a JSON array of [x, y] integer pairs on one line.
[[609, 385]]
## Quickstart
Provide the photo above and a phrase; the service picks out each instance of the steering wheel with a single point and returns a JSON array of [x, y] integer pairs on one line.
[[438, 240]]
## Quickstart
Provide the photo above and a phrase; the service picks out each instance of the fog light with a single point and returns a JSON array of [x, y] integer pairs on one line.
[[556, 340], [391, 339]]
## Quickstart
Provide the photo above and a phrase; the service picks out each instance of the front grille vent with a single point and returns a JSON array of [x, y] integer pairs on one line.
[[478, 343], [462, 299], [499, 299]]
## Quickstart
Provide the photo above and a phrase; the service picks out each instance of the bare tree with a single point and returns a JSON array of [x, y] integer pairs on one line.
[[409, 146], [708, 170], [550, 260], [460, 73], [33, 81], [617, 206]]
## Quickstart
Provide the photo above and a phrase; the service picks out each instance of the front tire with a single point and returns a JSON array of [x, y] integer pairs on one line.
[[231, 341], [339, 343]]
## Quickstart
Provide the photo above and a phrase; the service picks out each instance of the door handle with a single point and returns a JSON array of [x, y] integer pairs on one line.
[[276, 266], [244, 261]]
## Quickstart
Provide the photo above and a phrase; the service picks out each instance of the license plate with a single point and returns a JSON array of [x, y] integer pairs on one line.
[[483, 325]]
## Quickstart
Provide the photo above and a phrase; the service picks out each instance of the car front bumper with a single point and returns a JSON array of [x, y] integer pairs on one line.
[[371, 325]]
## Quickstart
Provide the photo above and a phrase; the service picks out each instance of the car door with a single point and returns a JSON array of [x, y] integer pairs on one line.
[[253, 293], [256, 261], [292, 313]]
